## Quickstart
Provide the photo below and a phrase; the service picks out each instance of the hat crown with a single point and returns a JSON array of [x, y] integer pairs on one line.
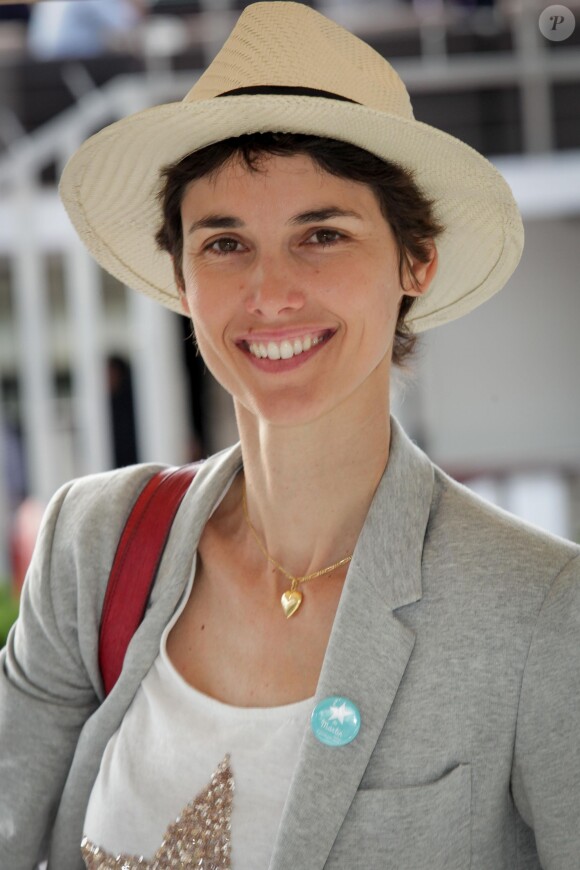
[[285, 44]]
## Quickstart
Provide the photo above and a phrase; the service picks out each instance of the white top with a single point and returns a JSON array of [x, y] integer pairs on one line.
[[179, 752]]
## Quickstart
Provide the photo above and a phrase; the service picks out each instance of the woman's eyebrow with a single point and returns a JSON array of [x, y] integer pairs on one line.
[[215, 222], [323, 214], [223, 222]]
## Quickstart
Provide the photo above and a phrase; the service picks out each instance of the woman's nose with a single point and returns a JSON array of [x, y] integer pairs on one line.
[[273, 287]]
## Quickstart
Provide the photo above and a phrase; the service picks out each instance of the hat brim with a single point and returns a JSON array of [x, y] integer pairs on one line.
[[109, 188]]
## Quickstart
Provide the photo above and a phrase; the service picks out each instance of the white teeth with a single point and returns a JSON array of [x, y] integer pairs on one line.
[[285, 350]]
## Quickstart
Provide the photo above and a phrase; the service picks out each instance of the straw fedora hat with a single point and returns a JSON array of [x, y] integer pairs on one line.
[[110, 184]]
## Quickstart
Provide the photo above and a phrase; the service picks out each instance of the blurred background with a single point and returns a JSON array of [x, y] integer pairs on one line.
[[93, 376]]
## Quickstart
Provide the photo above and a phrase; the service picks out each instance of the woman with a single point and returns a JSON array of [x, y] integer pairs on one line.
[[348, 660]]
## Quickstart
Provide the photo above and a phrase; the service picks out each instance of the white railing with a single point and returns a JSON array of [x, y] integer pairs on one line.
[[31, 224]]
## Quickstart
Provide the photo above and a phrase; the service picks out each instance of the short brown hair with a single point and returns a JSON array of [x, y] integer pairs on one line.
[[403, 205]]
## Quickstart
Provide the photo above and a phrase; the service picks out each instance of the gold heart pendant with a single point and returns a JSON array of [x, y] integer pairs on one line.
[[291, 601]]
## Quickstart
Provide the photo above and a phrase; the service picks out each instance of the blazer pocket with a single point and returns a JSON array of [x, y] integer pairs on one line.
[[425, 827]]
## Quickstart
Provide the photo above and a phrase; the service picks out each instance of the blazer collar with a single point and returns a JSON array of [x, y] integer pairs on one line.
[[366, 656], [390, 546]]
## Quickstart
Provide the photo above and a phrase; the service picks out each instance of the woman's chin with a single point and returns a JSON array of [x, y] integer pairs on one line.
[[285, 412]]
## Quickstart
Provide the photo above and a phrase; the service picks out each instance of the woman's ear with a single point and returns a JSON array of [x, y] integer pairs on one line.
[[423, 273]]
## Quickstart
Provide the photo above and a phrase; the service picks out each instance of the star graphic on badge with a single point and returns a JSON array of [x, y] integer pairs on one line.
[[339, 713]]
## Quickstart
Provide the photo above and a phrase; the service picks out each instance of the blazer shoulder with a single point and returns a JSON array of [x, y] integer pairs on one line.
[[480, 533], [90, 512], [102, 501]]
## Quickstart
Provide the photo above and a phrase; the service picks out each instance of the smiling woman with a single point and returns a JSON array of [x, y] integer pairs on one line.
[[347, 658], [408, 212], [277, 276]]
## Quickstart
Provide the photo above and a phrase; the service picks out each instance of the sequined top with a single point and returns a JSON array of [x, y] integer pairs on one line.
[[188, 781], [199, 837]]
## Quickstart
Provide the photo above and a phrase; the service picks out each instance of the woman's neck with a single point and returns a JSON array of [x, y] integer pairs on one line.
[[309, 487]]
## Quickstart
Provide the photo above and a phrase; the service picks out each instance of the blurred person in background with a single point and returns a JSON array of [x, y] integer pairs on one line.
[[348, 659], [122, 406]]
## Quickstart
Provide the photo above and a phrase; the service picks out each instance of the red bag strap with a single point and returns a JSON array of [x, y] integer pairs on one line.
[[135, 565]]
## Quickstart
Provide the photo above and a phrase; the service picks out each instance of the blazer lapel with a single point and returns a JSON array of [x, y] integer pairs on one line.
[[367, 655]]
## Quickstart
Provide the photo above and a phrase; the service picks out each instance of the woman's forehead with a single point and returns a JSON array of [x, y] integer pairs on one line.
[[295, 176], [265, 165]]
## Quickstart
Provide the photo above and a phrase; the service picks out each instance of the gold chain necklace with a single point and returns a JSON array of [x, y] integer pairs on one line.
[[292, 598]]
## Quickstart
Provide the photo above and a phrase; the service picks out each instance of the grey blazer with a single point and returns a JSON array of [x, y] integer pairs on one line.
[[457, 635]]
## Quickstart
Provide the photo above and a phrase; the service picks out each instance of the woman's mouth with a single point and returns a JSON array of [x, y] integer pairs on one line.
[[287, 348], [285, 354]]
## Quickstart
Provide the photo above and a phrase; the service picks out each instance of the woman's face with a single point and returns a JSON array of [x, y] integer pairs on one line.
[[282, 260]]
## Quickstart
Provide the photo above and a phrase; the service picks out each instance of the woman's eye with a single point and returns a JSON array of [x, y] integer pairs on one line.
[[223, 246], [326, 237]]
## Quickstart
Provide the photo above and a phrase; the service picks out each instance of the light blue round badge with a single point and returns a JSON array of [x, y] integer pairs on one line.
[[335, 721]]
